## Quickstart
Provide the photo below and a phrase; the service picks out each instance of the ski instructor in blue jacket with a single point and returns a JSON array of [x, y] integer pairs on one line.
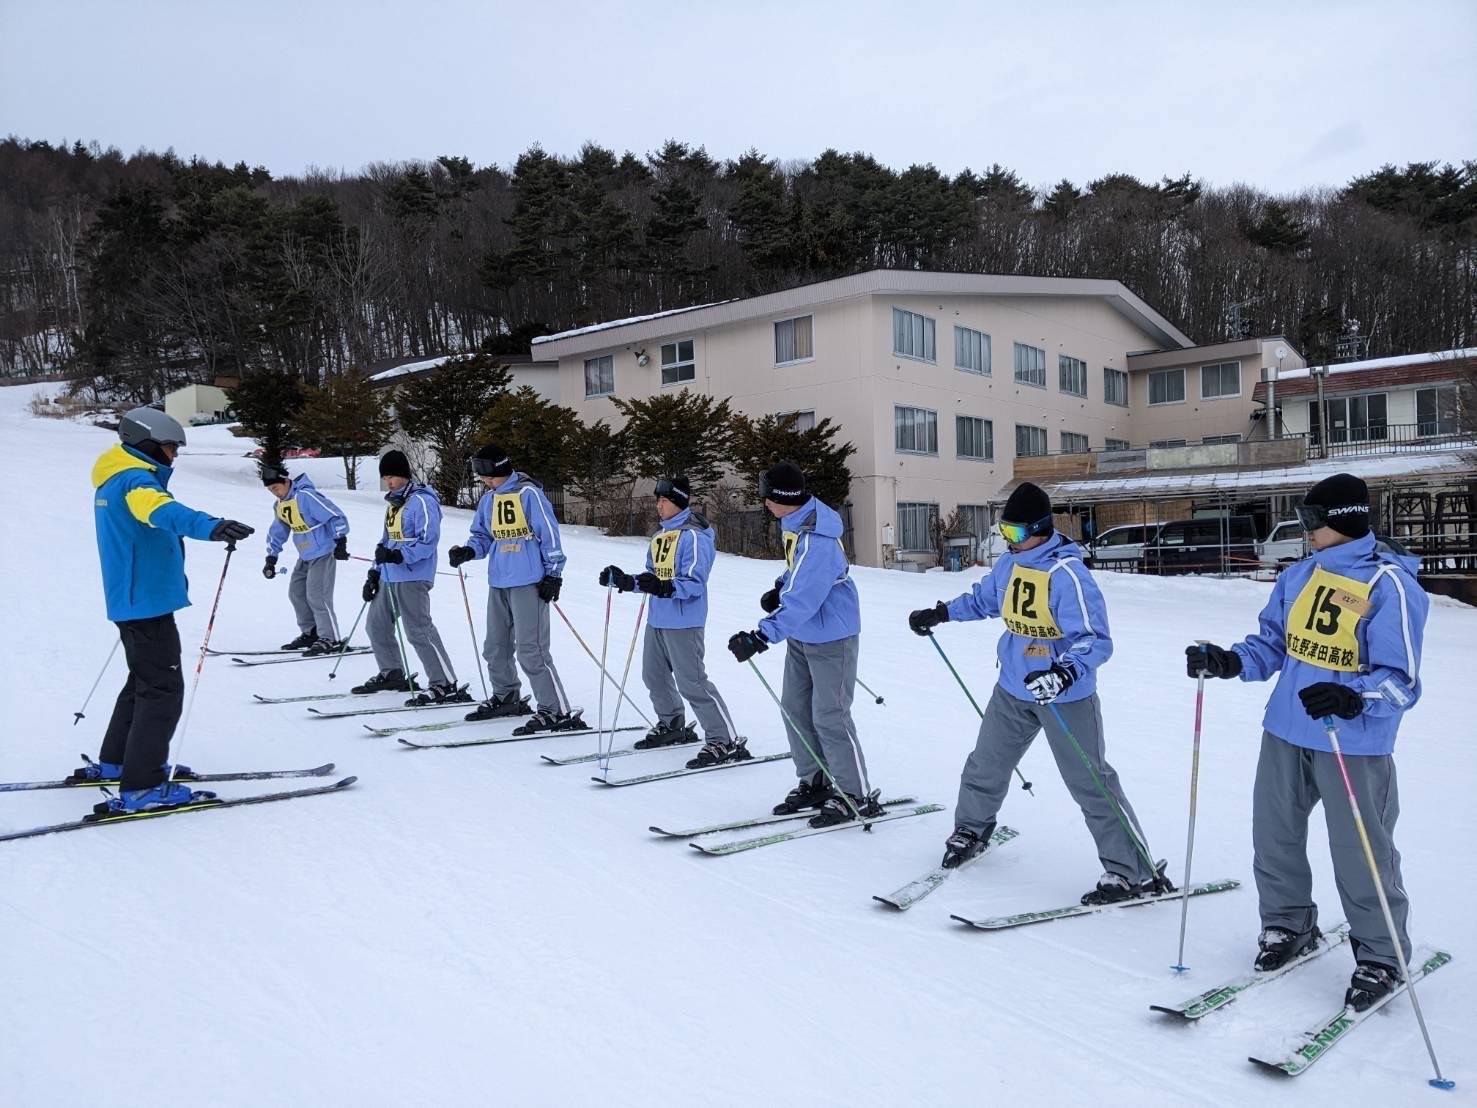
[[1342, 633], [140, 540], [1055, 638], [813, 608]]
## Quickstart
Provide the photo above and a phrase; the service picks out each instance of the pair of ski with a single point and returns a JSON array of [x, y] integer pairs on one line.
[[281, 657], [898, 808], [105, 819]]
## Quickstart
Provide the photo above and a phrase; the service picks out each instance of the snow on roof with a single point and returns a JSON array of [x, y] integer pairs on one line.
[[1384, 363], [609, 324], [410, 367]]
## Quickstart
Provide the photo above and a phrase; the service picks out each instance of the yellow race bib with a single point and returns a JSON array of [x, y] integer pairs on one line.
[[791, 538], [1026, 610], [393, 512], [1323, 626], [664, 554], [291, 517], [508, 520]]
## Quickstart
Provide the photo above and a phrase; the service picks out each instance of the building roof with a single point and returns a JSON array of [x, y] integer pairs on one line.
[[1376, 373], [401, 369], [1214, 352], [872, 282]]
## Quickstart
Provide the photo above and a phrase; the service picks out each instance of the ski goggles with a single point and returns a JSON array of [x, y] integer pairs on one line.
[[1019, 532], [1314, 516], [486, 467], [665, 488]]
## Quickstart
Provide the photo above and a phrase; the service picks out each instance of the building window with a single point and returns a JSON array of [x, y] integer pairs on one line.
[[1073, 443], [1166, 444], [1351, 418], [1115, 387], [600, 376], [677, 362], [1167, 387], [974, 438], [1071, 375], [802, 421], [1436, 411], [917, 430], [915, 525], [1116, 444], [971, 350], [1030, 365], [1221, 379], [794, 340], [1029, 441], [977, 518], [912, 335], [1215, 440]]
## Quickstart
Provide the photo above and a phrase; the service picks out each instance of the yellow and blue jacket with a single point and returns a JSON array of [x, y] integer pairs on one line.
[[140, 535]]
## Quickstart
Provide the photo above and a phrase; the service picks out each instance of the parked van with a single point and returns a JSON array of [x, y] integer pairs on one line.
[[1220, 544], [1121, 548], [1287, 543]]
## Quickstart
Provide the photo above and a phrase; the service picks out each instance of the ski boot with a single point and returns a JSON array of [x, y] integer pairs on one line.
[[811, 793], [303, 641], [91, 772], [1113, 887], [665, 734], [391, 680], [964, 845], [446, 692], [498, 706], [321, 647], [1276, 946], [717, 751], [836, 810], [169, 794], [1371, 983], [551, 722]]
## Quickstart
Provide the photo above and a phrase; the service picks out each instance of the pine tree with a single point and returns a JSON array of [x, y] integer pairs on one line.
[[534, 433], [683, 433], [267, 405], [759, 444], [444, 408], [346, 416]]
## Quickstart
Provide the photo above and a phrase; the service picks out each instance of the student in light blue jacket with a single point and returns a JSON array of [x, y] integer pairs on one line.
[[320, 534], [1342, 635], [813, 609], [1055, 638]]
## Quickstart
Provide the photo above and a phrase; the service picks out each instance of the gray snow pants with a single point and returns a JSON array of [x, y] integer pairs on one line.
[[518, 626], [311, 591], [820, 679], [1290, 780], [672, 667], [412, 601], [1008, 729]]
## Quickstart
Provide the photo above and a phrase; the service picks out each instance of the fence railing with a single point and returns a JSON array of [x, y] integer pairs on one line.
[[1388, 438]]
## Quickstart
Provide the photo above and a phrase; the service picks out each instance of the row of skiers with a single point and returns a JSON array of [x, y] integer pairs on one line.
[[1341, 634]]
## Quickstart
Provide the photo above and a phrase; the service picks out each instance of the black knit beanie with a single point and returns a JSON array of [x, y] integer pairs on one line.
[[675, 489], [275, 474], [784, 484], [1345, 501], [395, 464], [492, 461], [1027, 505]]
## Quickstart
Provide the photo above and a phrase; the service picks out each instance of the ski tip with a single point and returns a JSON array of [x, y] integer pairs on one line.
[[883, 900], [259, 696], [344, 783]]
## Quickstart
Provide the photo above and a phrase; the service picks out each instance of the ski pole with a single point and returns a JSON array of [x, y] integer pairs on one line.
[[344, 646], [184, 723], [400, 638], [1179, 966], [874, 695], [933, 639], [81, 714], [472, 630], [1438, 1081], [604, 653], [625, 676], [795, 727], [1133, 833], [586, 647]]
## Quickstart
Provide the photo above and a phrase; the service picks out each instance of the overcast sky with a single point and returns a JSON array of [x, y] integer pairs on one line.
[[1281, 95]]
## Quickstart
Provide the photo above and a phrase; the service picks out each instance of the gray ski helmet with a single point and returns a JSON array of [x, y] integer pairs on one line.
[[144, 425]]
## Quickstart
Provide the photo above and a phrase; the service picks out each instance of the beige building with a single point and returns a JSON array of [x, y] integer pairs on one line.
[[197, 404], [940, 380]]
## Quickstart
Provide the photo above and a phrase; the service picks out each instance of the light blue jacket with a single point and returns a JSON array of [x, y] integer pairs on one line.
[[1075, 608], [525, 550], [692, 561], [324, 524], [818, 600], [1388, 635], [414, 514], [141, 532]]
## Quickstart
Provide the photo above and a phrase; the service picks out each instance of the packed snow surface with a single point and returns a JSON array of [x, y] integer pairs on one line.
[[473, 927]]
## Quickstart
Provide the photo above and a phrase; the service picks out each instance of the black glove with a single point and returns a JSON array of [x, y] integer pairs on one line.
[[746, 644], [383, 553], [228, 530], [1329, 698], [341, 549], [459, 554], [1048, 684], [614, 575], [1212, 661], [770, 601], [371, 585], [269, 568], [924, 620], [548, 588], [652, 585]]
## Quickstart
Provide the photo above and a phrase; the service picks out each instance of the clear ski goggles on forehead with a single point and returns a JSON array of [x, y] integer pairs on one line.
[[1020, 532]]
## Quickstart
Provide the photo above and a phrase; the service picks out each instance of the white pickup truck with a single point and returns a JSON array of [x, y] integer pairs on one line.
[[1286, 544]]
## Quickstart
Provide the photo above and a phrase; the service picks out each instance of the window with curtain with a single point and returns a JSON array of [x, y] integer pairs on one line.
[[1115, 387], [803, 421], [1029, 441], [1030, 365], [915, 521], [1073, 443], [1436, 411], [1167, 386], [971, 350], [600, 376], [1071, 375], [917, 430], [913, 335], [1116, 444], [1221, 379], [974, 438], [793, 340]]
